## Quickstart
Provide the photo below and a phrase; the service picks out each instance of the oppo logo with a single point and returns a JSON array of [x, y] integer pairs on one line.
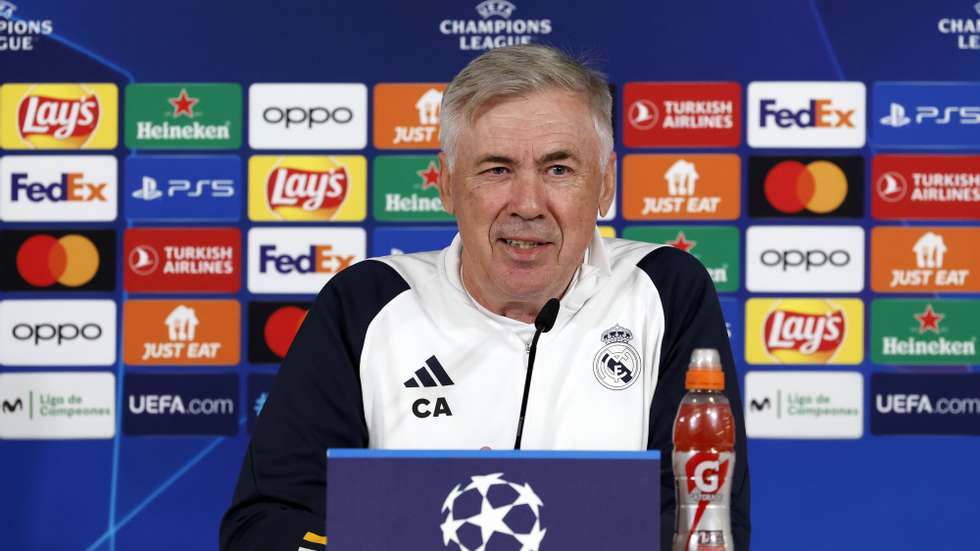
[[45, 332], [810, 258], [307, 116]]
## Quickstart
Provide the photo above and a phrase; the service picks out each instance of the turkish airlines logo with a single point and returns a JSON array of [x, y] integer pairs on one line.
[[678, 114], [926, 187], [182, 259], [167, 332], [643, 114], [57, 332], [806, 114]]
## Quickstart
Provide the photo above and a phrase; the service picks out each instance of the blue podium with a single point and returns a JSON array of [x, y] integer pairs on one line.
[[492, 500]]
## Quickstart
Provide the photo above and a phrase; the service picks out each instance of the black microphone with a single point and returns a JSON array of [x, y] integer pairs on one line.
[[543, 323]]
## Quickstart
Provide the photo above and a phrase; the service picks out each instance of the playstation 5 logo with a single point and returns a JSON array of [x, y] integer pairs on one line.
[[218, 188], [148, 191], [952, 114], [896, 116]]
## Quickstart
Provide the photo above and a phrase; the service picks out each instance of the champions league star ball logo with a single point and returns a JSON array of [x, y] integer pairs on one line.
[[617, 365], [490, 514]]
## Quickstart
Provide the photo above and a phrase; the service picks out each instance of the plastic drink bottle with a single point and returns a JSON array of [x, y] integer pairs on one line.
[[704, 458]]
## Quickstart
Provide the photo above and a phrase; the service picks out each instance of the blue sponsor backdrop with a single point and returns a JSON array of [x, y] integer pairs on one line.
[[131, 492]]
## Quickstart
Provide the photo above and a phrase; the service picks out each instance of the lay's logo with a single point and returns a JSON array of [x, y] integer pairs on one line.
[[804, 331], [307, 188], [59, 116]]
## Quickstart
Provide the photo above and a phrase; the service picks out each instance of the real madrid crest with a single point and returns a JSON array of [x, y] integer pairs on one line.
[[617, 365]]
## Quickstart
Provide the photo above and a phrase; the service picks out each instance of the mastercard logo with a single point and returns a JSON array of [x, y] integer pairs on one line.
[[281, 328], [71, 260], [792, 186]]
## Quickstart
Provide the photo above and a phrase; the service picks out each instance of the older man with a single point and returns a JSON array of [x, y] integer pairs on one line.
[[430, 350]]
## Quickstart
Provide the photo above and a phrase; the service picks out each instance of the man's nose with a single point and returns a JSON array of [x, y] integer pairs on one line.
[[528, 195]]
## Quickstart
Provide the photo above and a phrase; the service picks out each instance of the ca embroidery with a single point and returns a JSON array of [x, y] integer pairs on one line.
[[617, 365]]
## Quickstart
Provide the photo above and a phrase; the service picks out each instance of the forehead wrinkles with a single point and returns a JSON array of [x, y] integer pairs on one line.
[[549, 121]]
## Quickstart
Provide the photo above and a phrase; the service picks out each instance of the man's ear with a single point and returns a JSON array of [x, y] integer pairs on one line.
[[607, 189], [445, 187]]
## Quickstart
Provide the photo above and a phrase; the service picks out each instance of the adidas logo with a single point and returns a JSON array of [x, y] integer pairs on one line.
[[423, 376]]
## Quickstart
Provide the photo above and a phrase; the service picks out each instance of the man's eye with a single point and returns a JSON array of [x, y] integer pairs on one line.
[[497, 170], [558, 170]]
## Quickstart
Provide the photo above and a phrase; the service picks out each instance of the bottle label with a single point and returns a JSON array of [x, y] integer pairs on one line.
[[703, 483]]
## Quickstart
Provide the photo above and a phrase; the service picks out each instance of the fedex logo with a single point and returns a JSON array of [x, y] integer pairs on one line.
[[819, 113], [319, 259], [300, 260], [806, 114], [58, 188], [70, 187]]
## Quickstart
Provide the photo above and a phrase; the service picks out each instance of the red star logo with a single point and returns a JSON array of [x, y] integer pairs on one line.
[[430, 176], [183, 104], [682, 243], [929, 320]]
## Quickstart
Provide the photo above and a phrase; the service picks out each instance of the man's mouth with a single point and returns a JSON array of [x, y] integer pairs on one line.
[[523, 243]]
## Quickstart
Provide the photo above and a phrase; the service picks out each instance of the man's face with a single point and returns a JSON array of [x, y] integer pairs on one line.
[[525, 188]]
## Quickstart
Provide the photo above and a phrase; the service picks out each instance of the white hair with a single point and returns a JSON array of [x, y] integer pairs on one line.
[[521, 70]]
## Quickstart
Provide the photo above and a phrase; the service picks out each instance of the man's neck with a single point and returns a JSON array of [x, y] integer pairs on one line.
[[525, 311]]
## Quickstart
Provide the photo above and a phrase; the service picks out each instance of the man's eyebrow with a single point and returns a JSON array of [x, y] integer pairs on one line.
[[560, 155], [495, 159]]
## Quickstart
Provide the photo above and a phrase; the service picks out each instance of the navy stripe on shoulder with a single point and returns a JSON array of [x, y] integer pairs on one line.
[[360, 292]]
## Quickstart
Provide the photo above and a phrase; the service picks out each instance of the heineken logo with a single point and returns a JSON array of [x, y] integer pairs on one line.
[[406, 187], [681, 242], [183, 104], [929, 320], [183, 116], [717, 247], [924, 332]]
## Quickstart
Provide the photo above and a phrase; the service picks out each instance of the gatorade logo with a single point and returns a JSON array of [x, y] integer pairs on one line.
[[707, 472], [806, 187], [59, 116], [57, 261]]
